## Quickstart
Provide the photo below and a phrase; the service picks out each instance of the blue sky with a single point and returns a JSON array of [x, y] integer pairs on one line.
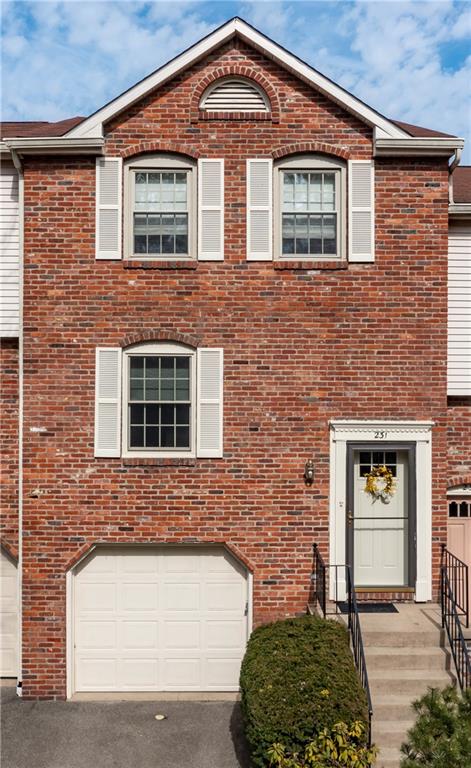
[[409, 60]]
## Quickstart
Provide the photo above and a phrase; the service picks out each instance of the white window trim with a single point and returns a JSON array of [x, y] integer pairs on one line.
[[157, 162], [163, 348], [311, 163], [418, 432]]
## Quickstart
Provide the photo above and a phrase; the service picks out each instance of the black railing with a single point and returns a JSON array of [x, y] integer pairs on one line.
[[452, 625], [321, 577], [458, 576]]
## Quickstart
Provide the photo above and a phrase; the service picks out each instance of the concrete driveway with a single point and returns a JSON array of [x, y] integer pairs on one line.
[[122, 734]]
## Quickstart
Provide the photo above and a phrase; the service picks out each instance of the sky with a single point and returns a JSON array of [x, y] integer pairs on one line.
[[409, 60]]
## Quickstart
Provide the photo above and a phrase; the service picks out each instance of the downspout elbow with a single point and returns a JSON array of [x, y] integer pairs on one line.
[[454, 163]]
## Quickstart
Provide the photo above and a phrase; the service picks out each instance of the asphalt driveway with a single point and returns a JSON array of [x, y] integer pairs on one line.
[[56, 734]]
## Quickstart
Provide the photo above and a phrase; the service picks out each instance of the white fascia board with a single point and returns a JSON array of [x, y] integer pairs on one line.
[[463, 210], [43, 145], [427, 145], [93, 126], [4, 150]]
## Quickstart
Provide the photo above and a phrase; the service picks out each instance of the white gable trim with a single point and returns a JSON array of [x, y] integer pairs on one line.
[[93, 126]]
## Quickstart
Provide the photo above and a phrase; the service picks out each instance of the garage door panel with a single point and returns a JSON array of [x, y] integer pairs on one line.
[[181, 597], [8, 616], [172, 622], [139, 635], [179, 635], [99, 635], [139, 596], [99, 564]]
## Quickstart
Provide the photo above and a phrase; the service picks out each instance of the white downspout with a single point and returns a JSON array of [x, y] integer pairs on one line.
[[453, 164], [18, 165]]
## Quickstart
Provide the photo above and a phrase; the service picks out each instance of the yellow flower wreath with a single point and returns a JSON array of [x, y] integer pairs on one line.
[[386, 489]]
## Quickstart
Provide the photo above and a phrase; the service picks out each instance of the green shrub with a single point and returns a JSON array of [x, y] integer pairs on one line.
[[441, 736], [339, 748], [297, 678]]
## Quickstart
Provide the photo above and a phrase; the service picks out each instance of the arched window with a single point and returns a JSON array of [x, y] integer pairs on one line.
[[234, 95]]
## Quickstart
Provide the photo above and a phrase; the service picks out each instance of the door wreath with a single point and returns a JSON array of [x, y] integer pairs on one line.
[[380, 483]]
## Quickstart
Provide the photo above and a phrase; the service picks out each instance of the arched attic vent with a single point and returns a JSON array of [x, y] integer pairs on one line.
[[234, 94]]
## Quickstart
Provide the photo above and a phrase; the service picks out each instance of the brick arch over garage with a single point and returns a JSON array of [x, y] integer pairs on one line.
[[314, 147], [157, 336], [146, 147], [235, 70]]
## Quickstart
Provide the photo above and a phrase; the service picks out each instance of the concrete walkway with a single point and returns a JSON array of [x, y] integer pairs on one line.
[[56, 734]]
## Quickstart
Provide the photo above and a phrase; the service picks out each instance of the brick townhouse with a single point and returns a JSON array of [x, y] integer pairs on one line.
[[224, 313]]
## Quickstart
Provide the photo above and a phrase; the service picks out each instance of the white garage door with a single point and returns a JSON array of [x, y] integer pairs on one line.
[[8, 617], [159, 619]]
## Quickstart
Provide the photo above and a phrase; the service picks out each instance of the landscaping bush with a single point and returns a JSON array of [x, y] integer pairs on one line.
[[339, 748], [297, 678], [441, 736]]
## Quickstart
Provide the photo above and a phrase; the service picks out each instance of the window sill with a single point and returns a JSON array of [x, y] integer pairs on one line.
[[159, 264], [156, 461], [245, 116], [292, 264]]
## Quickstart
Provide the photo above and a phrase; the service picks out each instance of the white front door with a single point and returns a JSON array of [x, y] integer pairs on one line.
[[379, 529], [8, 616], [159, 619]]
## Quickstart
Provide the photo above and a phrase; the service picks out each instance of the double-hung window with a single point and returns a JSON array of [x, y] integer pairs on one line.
[[160, 400], [161, 203], [310, 200]]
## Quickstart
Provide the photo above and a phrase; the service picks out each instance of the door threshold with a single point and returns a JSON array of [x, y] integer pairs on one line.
[[405, 590], [155, 696]]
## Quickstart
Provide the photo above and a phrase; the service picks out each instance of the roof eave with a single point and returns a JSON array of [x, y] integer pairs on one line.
[[53, 145], [459, 210], [93, 126], [433, 146]]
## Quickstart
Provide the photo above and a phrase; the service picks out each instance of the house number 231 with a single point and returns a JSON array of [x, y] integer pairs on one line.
[[381, 435]]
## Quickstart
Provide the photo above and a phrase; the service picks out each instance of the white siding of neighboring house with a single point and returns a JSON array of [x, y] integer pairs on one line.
[[459, 310], [9, 250]]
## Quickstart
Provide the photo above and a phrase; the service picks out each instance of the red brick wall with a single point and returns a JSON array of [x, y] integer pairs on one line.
[[9, 444], [459, 440], [301, 347]]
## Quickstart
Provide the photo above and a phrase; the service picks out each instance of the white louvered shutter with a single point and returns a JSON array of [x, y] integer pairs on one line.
[[210, 210], [459, 311], [259, 210], [108, 207], [361, 224], [235, 96], [209, 417], [108, 402]]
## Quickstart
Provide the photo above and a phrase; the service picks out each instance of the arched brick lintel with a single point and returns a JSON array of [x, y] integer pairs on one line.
[[319, 147], [87, 549], [145, 147], [459, 480], [235, 70], [143, 336]]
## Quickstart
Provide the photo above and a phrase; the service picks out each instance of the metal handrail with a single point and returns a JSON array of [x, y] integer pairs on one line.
[[319, 582], [452, 624], [458, 576]]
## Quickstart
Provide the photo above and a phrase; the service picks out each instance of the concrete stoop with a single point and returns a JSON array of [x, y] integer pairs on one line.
[[404, 657]]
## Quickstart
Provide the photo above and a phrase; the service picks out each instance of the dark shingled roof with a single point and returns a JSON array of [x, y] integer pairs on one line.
[[417, 130], [462, 184], [38, 128]]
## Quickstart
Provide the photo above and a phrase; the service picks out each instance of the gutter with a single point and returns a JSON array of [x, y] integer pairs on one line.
[[460, 210], [18, 165]]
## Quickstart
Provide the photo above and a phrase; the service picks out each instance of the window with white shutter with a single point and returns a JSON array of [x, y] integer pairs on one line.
[[210, 209], [167, 397], [361, 224], [160, 199], [108, 207], [459, 310], [259, 209]]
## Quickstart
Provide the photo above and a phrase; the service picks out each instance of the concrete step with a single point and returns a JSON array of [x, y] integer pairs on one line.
[[392, 707], [391, 657], [389, 757], [423, 639], [408, 682], [390, 733]]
